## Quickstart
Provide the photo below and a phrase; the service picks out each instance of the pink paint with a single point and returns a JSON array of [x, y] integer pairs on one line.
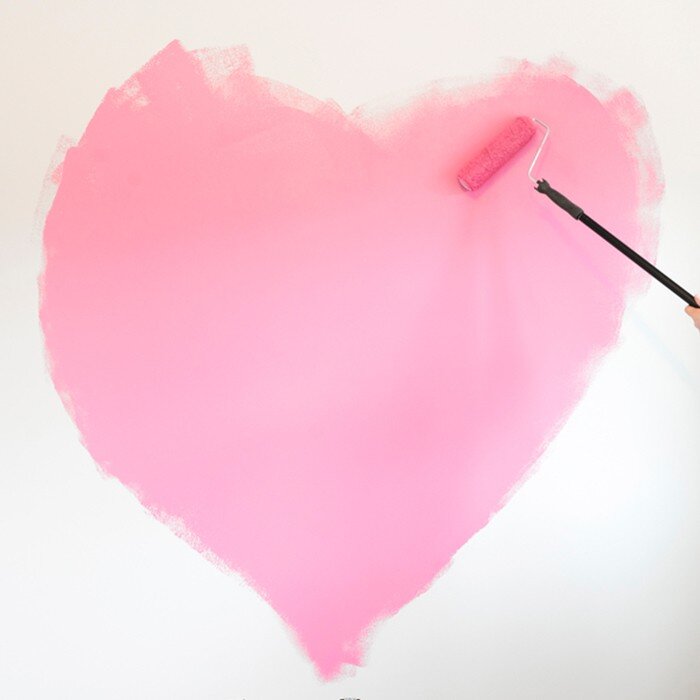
[[496, 153], [291, 330]]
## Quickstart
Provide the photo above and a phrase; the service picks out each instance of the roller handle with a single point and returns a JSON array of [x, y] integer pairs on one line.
[[559, 199], [574, 210]]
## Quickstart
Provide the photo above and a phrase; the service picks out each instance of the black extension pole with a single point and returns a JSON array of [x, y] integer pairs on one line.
[[570, 208]]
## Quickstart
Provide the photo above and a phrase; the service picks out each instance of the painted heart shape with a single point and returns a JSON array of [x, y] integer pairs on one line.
[[288, 328]]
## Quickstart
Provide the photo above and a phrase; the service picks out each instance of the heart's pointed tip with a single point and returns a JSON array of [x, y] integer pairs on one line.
[[334, 654], [338, 668]]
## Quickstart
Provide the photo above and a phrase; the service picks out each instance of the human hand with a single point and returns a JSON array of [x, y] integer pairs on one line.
[[694, 313]]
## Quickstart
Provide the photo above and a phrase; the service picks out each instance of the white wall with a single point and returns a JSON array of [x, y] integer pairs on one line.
[[584, 586]]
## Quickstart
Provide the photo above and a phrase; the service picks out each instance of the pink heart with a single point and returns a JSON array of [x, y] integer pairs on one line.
[[290, 330]]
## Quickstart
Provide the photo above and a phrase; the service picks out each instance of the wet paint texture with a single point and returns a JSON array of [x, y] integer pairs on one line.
[[290, 330]]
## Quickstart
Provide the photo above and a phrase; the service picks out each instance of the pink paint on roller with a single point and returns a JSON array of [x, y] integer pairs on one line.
[[289, 330], [496, 154]]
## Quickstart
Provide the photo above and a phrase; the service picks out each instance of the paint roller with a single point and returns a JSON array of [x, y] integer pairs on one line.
[[505, 145]]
